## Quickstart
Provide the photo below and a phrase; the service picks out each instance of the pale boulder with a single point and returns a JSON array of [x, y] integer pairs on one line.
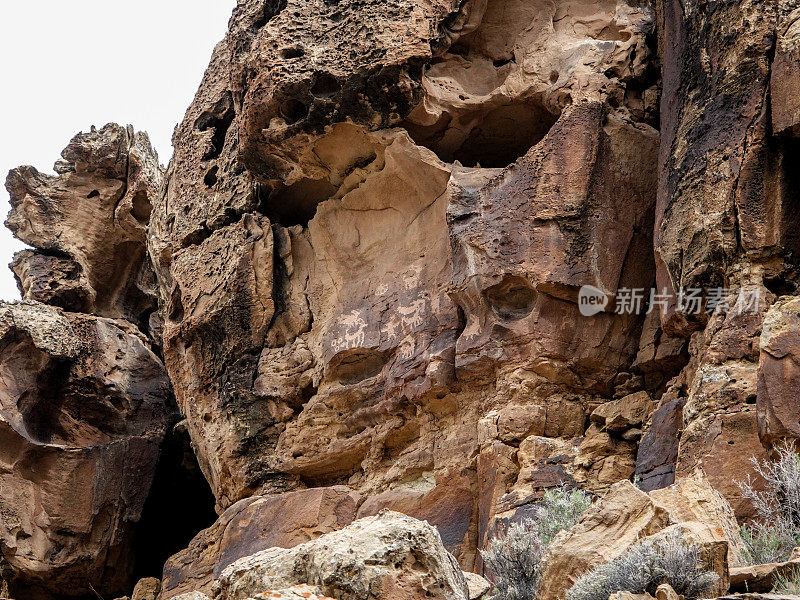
[[383, 557]]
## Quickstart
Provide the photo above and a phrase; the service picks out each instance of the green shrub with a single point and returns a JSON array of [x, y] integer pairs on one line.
[[561, 510], [513, 560], [763, 544], [643, 567]]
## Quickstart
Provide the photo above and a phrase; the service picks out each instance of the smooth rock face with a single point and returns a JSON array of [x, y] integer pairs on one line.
[[83, 410], [386, 556], [88, 225]]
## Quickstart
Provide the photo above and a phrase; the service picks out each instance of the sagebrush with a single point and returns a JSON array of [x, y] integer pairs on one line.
[[643, 567], [514, 560], [788, 584], [776, 530]]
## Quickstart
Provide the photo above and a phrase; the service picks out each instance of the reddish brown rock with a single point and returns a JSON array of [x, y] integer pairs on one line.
[[657, 454], [83, 410], [256, 524], [324, 315], [779, 373], [726, 189], [785, 75]]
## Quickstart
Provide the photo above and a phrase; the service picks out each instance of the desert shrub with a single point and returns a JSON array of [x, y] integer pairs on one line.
[[763, 544], [514, 560], [561, 509], [776, 530], [643, 567], [788, 584]]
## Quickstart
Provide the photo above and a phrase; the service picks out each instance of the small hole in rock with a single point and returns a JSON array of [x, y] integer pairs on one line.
[[295, 204], [293, 52], [293, 111], [512, 299], [141, 208], [325, 85], [211, 177], [93, 194]]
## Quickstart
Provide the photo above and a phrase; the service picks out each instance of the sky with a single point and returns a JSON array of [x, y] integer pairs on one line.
[[65, 66]]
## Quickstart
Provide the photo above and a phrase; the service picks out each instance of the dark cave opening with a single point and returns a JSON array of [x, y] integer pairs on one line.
[[179, 506]]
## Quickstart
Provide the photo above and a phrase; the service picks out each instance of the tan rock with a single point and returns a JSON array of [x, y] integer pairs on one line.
[[761, 578], [623, 414], [720, 417], [623, 595], [665, 592], [381, 557], [607, 529], [479, 587], [147, 589], [299, 592], [93, 216], [627, 514]]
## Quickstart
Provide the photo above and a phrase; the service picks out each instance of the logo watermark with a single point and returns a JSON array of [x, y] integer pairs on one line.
[[690, 301], [592, 301]]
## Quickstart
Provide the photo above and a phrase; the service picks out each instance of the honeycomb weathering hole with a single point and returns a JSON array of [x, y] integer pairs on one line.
[[295, 204], [512, 299], [504, 135]]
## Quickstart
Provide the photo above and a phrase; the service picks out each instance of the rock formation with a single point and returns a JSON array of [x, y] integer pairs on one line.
[[360, 286]]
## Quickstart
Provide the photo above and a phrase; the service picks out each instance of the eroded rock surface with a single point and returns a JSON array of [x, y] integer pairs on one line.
[[358, 261], [83, 410], [362, 269], [88, 226]]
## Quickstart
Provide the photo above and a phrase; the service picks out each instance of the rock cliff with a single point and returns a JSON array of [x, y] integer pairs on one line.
[[360, 286]]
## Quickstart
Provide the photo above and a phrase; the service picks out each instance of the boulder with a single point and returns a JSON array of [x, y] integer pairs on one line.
[[478, 587], [376, 558], [256, 524], [147, 589], [761, 578], [626, 413], [665, 592]]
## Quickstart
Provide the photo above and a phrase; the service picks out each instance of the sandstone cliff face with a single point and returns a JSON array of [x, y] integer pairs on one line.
[[362, 271], [344, 302]]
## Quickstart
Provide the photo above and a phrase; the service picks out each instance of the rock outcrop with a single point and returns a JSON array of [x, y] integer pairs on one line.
[[255, 524], [85, 400], [428, 256], [84, 406], [626, 515], [88, 226]]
